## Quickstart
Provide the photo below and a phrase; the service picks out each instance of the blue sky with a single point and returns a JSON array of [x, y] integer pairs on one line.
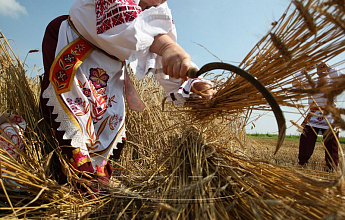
[[228, 29]]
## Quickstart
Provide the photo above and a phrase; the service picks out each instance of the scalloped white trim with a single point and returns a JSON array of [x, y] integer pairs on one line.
[[71, 131]]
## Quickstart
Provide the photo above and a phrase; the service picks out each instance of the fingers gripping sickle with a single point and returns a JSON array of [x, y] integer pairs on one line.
[[194, 73]]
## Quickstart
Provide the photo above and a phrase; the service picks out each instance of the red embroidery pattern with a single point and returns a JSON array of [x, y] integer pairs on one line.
[[14, 133], [97, 99], [110, 13], [93, 142], [66, 64]]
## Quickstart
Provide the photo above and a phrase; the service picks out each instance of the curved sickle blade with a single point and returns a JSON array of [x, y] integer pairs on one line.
[[194, 73]]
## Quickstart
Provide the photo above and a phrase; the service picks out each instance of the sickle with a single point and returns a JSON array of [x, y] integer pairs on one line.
[[194, 73]]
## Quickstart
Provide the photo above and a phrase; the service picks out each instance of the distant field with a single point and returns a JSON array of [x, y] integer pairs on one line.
[[261, 147], [287, 137]]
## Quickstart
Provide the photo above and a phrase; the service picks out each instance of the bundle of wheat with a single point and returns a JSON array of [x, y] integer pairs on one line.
[[202, 174], [309, 32], [177, 168]]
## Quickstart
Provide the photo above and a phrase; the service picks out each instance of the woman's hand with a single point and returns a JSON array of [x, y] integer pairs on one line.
[[205, 90], [175, 59], [176, 63]]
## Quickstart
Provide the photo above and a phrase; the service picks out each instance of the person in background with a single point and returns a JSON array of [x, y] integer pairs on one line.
[[316, 123], [86, 57]]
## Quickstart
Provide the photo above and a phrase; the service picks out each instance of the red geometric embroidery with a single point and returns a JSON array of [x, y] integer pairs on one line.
[[110, 13]]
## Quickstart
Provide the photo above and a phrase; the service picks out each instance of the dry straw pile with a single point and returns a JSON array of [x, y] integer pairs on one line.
[[181, 163]]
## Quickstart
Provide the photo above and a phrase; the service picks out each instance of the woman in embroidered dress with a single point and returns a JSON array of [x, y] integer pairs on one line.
[[85, 81]]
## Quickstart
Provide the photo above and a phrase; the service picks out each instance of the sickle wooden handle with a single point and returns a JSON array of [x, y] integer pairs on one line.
[[193, 72]]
